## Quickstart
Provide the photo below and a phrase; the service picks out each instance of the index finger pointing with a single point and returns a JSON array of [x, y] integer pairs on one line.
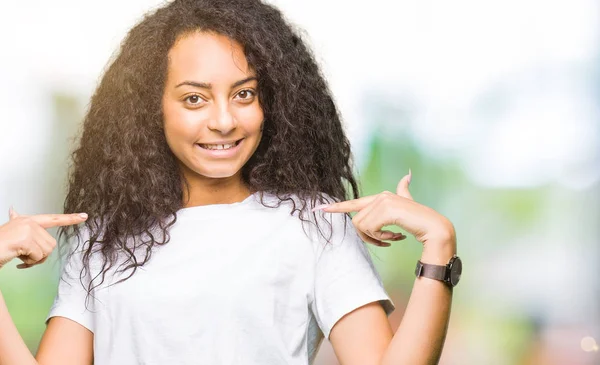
[[58, 220], [347, 206]]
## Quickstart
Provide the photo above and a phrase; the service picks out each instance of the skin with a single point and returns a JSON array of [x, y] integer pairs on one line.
[[26, 238], [211, 97], [364, 336]]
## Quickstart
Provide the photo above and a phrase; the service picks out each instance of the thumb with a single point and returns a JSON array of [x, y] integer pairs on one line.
[[12, 214], [402, 188]]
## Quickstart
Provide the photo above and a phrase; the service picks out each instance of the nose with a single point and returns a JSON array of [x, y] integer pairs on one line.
[[222, 120]]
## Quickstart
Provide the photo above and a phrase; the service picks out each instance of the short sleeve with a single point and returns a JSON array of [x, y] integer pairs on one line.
[[71, 298], [345, 277]]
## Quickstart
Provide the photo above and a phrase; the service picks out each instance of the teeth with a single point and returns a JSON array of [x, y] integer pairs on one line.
[[218, 146]]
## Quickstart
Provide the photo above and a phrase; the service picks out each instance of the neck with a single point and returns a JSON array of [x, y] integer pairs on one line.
[[206, 191]]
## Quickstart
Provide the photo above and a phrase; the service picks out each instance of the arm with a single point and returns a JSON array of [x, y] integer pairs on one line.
[[64, 343], [421, 334], [12, 348], [363, 336]]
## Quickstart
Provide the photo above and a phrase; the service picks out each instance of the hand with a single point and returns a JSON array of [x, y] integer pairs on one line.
[[26, 237], [386, 208]]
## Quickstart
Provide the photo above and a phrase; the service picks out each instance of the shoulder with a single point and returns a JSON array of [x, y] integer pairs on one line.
[[81, 255], [322, 228], [294, 203], [298, 200]]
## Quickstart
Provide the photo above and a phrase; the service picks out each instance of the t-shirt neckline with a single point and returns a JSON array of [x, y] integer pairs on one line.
[[214, 210]]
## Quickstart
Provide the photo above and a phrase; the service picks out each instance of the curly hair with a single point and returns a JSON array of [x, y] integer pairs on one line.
[[123, 173]]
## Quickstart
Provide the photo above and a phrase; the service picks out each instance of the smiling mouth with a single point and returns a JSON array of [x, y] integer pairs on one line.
[[217, 147]]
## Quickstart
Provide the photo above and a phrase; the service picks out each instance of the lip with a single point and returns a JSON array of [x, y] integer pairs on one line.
[[221, 153], [222, 142]]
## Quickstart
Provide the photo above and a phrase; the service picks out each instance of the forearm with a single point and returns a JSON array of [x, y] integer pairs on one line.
[[420, 337], [13, 350]]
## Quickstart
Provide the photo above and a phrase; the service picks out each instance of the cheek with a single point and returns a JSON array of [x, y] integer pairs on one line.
[[251, 119], [177, 124]]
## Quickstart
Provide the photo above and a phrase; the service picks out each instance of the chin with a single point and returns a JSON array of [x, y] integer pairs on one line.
[[216, 173], [219, 176]]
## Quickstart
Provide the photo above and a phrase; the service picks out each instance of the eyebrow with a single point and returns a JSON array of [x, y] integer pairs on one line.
[[205, 85]]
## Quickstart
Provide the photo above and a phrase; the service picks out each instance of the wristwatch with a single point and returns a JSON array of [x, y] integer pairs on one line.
[[449, 274]]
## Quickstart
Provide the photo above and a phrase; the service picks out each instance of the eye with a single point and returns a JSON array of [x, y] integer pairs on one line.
[[194, 99], [246, 95]]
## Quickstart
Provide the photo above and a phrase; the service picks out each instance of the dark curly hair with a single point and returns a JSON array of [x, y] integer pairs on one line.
[[124, 174]]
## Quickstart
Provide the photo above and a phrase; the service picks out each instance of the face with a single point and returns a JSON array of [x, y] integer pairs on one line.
[[212, 116]]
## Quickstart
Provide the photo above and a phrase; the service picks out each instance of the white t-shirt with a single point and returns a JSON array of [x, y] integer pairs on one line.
[[237, 284]]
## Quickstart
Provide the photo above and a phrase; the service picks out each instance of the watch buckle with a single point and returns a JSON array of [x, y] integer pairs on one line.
[[419, 269]]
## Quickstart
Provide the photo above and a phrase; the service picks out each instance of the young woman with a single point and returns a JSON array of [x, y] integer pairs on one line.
[[214, 168]]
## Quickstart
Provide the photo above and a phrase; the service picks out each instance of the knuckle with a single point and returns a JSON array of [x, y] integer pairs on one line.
[[30, 225], [27, 226], [356, 222], [384, 196]]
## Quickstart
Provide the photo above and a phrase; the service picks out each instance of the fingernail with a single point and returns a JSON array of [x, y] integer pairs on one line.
[[319, 207], [398, 236], [83, 215], [409, 176]]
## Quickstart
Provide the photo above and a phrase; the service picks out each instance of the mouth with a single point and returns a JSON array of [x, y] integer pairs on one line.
[[220, 147]]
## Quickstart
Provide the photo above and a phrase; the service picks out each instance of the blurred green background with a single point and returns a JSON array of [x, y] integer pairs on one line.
[[494, 106]]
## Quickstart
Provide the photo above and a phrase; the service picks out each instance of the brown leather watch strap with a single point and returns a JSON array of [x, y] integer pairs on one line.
[[436, 272]]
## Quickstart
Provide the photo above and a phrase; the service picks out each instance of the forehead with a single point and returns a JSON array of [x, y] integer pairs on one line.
[[207, 57]]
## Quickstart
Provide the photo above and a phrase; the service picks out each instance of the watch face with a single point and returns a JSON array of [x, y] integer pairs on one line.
[[455, 271]]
